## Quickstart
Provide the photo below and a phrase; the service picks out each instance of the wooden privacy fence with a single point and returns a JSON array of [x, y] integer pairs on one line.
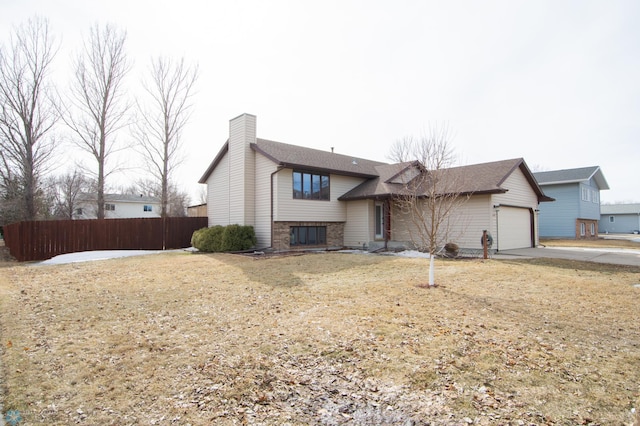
[[39, 240]]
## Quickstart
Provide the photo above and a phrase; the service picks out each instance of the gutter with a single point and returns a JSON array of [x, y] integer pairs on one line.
[[271, 201]]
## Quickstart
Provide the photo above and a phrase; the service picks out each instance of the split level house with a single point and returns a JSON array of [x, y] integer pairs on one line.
[[297, 197], [576, 210]]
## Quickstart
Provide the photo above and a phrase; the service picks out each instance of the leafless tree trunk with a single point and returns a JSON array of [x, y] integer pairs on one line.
[[162, 121], [66, 190], [202, 195], [28, 113], [432, 193], [178, 201], [98, 98]]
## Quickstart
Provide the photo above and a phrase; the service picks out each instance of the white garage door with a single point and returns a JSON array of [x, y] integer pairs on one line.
[[514, 228]]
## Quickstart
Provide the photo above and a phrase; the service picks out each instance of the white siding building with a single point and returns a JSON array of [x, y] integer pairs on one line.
[[117, 206]]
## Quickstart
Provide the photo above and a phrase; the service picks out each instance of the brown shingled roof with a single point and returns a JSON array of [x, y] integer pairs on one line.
[[485, 178], [385, 180], [294, 156]]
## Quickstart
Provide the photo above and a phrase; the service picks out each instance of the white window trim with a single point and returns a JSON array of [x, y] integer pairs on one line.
[[378, 236]]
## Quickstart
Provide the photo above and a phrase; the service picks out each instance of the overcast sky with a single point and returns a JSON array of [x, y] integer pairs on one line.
[[555, 82]]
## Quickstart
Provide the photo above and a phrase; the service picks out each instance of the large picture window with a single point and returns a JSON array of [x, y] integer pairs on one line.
[[307, 235], [310, 186]]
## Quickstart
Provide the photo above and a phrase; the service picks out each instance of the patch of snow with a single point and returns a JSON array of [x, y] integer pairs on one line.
[[87, 256]]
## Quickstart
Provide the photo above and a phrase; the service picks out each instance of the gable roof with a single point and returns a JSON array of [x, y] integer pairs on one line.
[[632, 208], [384, 180], [582, 174], [484, 178], [294, 156]]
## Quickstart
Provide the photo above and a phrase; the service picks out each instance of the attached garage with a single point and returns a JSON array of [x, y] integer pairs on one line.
[[515, 229]]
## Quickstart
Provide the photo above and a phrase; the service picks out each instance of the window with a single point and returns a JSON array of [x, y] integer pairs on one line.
[[108, 206], [307, 235], [310, 186], [595, 196], [593, 229], [583, 229], [379, 218], [79, 211], [612, 219], [148, 208], [585, 193]]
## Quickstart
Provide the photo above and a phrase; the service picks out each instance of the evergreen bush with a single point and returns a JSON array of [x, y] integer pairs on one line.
[[224, 238]]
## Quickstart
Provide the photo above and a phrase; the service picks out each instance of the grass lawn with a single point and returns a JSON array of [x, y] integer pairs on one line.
[[328, 338]]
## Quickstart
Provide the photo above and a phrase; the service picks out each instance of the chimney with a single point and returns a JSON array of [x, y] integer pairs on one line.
[[242, 133]]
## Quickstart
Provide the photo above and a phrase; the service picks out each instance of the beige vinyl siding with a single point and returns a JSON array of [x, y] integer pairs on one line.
[[470, 220], [519, 192], [358, 229], [290, 209], [264, 168], [218, 194], [241, 171], [463, 227]]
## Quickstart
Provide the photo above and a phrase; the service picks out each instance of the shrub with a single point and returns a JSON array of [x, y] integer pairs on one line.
[[236, 238], [196, 238], [224, 238]]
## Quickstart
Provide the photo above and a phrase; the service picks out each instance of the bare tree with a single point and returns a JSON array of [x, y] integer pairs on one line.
[[201, 197], [161, 122], [28, 113], [432, 193], [67, 189], [98, 97], [177, 200]]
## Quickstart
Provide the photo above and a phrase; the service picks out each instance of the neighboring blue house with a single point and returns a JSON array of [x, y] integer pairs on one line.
[[576, 211], [620, 218]]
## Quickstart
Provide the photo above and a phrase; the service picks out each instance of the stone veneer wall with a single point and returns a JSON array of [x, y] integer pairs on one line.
[[281, 231]]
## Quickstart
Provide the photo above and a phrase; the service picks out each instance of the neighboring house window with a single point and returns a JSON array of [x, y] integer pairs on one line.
[[594, 196], [379, 218], [583, 229], [79, 211], [585, 193], [310, 186], [148, 208], [593, 229], [307, 235], [612, 219], [108, 206]]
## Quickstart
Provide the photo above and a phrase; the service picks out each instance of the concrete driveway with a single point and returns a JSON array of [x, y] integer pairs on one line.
[[601, 255]]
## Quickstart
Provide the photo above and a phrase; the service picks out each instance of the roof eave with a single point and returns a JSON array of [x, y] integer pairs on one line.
[[215, 162]]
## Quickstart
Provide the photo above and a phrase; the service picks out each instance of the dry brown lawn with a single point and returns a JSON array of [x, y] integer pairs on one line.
[[327, 338], [597, 243]]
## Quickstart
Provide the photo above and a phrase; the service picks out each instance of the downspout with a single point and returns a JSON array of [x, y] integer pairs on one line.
[[271, 201], [229, 188], [497, 209]]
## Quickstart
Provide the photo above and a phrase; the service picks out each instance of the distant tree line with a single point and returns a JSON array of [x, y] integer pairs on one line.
[[96, 116]]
